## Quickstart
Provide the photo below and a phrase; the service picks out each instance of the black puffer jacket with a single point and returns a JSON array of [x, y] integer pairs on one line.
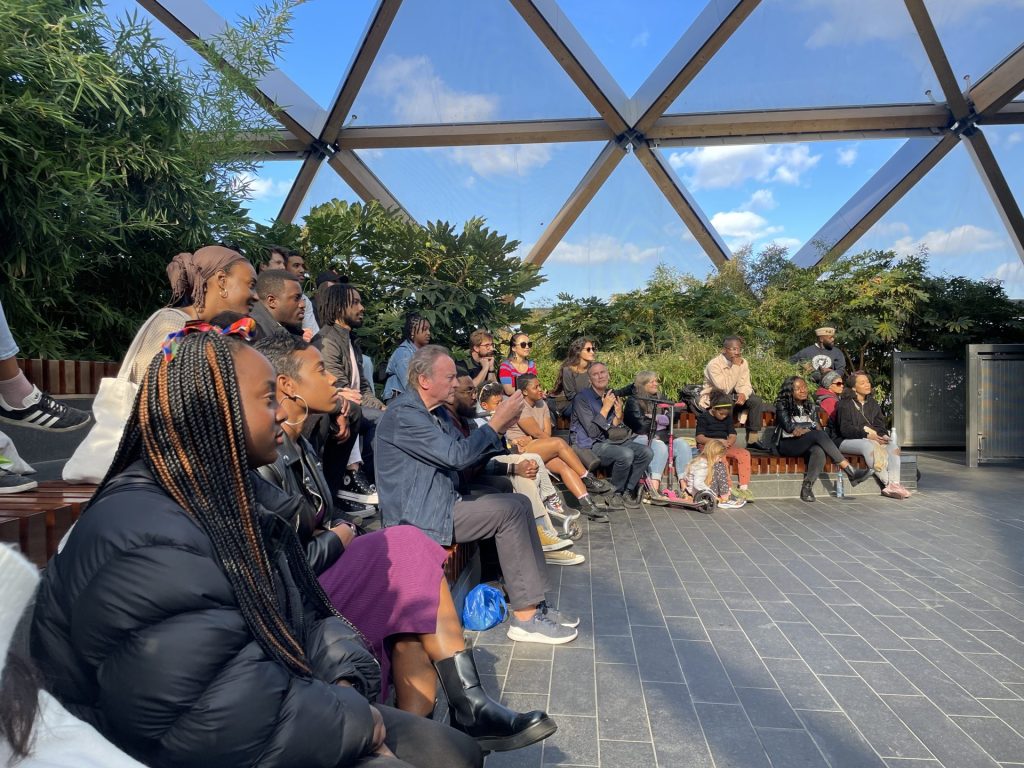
[[138, 631]]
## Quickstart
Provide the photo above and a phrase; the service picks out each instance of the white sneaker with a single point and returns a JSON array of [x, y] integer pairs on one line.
[[551, 543], [732, 504], [539, 629]]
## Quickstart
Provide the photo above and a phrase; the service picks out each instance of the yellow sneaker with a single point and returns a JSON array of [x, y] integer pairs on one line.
[[564, 558], [550, 543]]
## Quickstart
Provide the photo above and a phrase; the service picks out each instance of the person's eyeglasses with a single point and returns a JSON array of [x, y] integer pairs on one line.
[[590, 349], [836, 384], [525, 344]]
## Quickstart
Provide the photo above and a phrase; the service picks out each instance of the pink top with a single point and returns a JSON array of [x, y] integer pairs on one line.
[[507, 373]]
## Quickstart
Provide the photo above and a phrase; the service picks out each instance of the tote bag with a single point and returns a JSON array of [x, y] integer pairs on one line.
[[111, 409]]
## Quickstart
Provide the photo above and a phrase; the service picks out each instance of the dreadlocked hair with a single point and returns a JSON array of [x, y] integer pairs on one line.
[[414, 323], [187, 428], [332, 302]]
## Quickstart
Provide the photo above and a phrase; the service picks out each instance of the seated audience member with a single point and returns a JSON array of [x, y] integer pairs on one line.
[[597, 424], [280, 308], [480, 365], [35, 730], [415, 334], [182, 620], [710, 472], [517, 363], [716, 424], [532, 433], [525, 472], [797, 431], [341, 312], [640, 415], [730, 373], [860, 427], [296, 264], [389, 584], [828, 394], [275, 259], [424, 454], [822, 355], [574, 375]]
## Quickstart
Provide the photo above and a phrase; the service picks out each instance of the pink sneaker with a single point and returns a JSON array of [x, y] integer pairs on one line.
[[899, 487], [892, 492]]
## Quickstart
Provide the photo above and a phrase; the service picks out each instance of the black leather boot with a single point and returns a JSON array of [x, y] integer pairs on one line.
[[495, 727], [591, 512], [857, 476], [806, 494]]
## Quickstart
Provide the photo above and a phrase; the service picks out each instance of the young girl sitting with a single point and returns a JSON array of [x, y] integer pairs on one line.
[[709, 472]]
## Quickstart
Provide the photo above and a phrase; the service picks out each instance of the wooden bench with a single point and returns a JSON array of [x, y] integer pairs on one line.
[[684, 420], [44, 515], [67, 377]]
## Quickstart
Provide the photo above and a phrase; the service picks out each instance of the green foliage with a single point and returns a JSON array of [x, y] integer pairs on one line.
[[114, 157], [459, 281]]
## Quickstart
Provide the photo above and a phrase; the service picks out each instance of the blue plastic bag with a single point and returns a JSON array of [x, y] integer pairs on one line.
[[485, 606]]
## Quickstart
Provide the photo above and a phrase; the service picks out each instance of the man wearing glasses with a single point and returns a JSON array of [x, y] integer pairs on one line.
[[480, 365]]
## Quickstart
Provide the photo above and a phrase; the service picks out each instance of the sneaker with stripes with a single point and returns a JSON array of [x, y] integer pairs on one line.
[[40, 411]]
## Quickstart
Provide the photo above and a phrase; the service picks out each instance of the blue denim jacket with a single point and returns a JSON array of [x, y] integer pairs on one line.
[[398, 370], [418, 458], [588, 425]]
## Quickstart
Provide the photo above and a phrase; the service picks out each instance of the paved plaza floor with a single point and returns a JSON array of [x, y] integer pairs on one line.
[[855, 633]]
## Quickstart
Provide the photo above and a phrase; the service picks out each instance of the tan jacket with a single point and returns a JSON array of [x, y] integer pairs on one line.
[[722, 374]]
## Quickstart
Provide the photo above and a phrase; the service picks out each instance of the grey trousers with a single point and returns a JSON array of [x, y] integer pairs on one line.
[[508, 517]]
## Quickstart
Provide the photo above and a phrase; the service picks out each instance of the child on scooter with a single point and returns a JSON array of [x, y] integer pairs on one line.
[[710, 472]]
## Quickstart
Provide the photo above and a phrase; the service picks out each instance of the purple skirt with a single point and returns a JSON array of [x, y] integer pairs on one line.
[[388, 583]]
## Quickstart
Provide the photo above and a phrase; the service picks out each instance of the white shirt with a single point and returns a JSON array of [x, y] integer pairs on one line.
[[309, 319]]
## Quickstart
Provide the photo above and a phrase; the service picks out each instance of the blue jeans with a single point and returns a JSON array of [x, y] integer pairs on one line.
[[682, 454], [8, 348]]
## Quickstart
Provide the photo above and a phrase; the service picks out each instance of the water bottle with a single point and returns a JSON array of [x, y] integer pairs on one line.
[[840, 490]]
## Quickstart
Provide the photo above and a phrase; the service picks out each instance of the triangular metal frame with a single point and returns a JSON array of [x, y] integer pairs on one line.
[[638, 125]]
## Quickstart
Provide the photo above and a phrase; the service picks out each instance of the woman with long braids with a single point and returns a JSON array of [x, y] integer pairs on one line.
[[798, 434], [181, 618], [517, 363], [415, 334], [389, 583]]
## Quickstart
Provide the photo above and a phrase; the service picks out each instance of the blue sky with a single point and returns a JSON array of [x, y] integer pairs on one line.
[[477, 60]]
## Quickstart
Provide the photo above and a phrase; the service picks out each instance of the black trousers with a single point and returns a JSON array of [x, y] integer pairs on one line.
[[755, 408], [421, 743], [814, 446]]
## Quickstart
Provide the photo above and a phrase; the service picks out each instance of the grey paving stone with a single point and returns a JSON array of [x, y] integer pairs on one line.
[[715, 614], [529, 757], [766, 638], [767, 708], [704, 674], [742, 663], [947, 695], [762, 588], [493, 659], [884, 678], [641, 603], [731, 739], [741, 601], [656, 655], [702, 591], [813, 648], [899, 762], [782, 611], [905, 627], [950, 745], [838, 739], [870, 628], [1010, 712], [686, 628], [625, 754], [620, 703], [528, 676], [997, 640], [610, 617], [532, 651], [800, 686], [961, 670], [880, 726], [674, 602], [678, 738], [792, 749], [853, 648], [572, 682], [615, 649], [574, 743], [994, 736], [997, 666], [664, 576], [943, 628]]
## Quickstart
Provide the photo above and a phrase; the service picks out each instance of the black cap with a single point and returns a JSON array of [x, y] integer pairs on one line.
[[330, 276]]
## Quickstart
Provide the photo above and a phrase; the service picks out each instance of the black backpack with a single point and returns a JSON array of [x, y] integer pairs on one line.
[[690, 394]]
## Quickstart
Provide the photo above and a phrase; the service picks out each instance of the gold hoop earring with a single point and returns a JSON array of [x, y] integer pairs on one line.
[[223, 293], [304, 405]]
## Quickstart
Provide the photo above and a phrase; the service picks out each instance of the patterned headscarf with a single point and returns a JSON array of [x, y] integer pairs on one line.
[[188, 272]]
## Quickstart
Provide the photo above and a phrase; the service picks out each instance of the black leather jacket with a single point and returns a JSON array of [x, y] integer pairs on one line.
[[850, 419], [298, 473], [334, 343], [633, 416], [139, 632]]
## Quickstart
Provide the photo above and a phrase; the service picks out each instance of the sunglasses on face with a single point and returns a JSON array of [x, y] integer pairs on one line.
[[525, 344], [590, 349]]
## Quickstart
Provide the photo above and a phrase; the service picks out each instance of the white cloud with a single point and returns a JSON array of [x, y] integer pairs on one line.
[[789, 243], [961, 240], [640, 40], [601, 248], [1014, 138], [1011, 274], [418, 94], [742, 227], [260, 189], [508, 160], [761, 200], [846, 156], [731, 166]]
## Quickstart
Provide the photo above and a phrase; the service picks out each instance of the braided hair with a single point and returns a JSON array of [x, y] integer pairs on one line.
[[187, 428], [786, 400], [332, 301], [414, 323]]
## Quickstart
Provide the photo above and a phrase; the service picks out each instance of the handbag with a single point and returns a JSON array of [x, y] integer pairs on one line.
[[485, 607], [111, 409]]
